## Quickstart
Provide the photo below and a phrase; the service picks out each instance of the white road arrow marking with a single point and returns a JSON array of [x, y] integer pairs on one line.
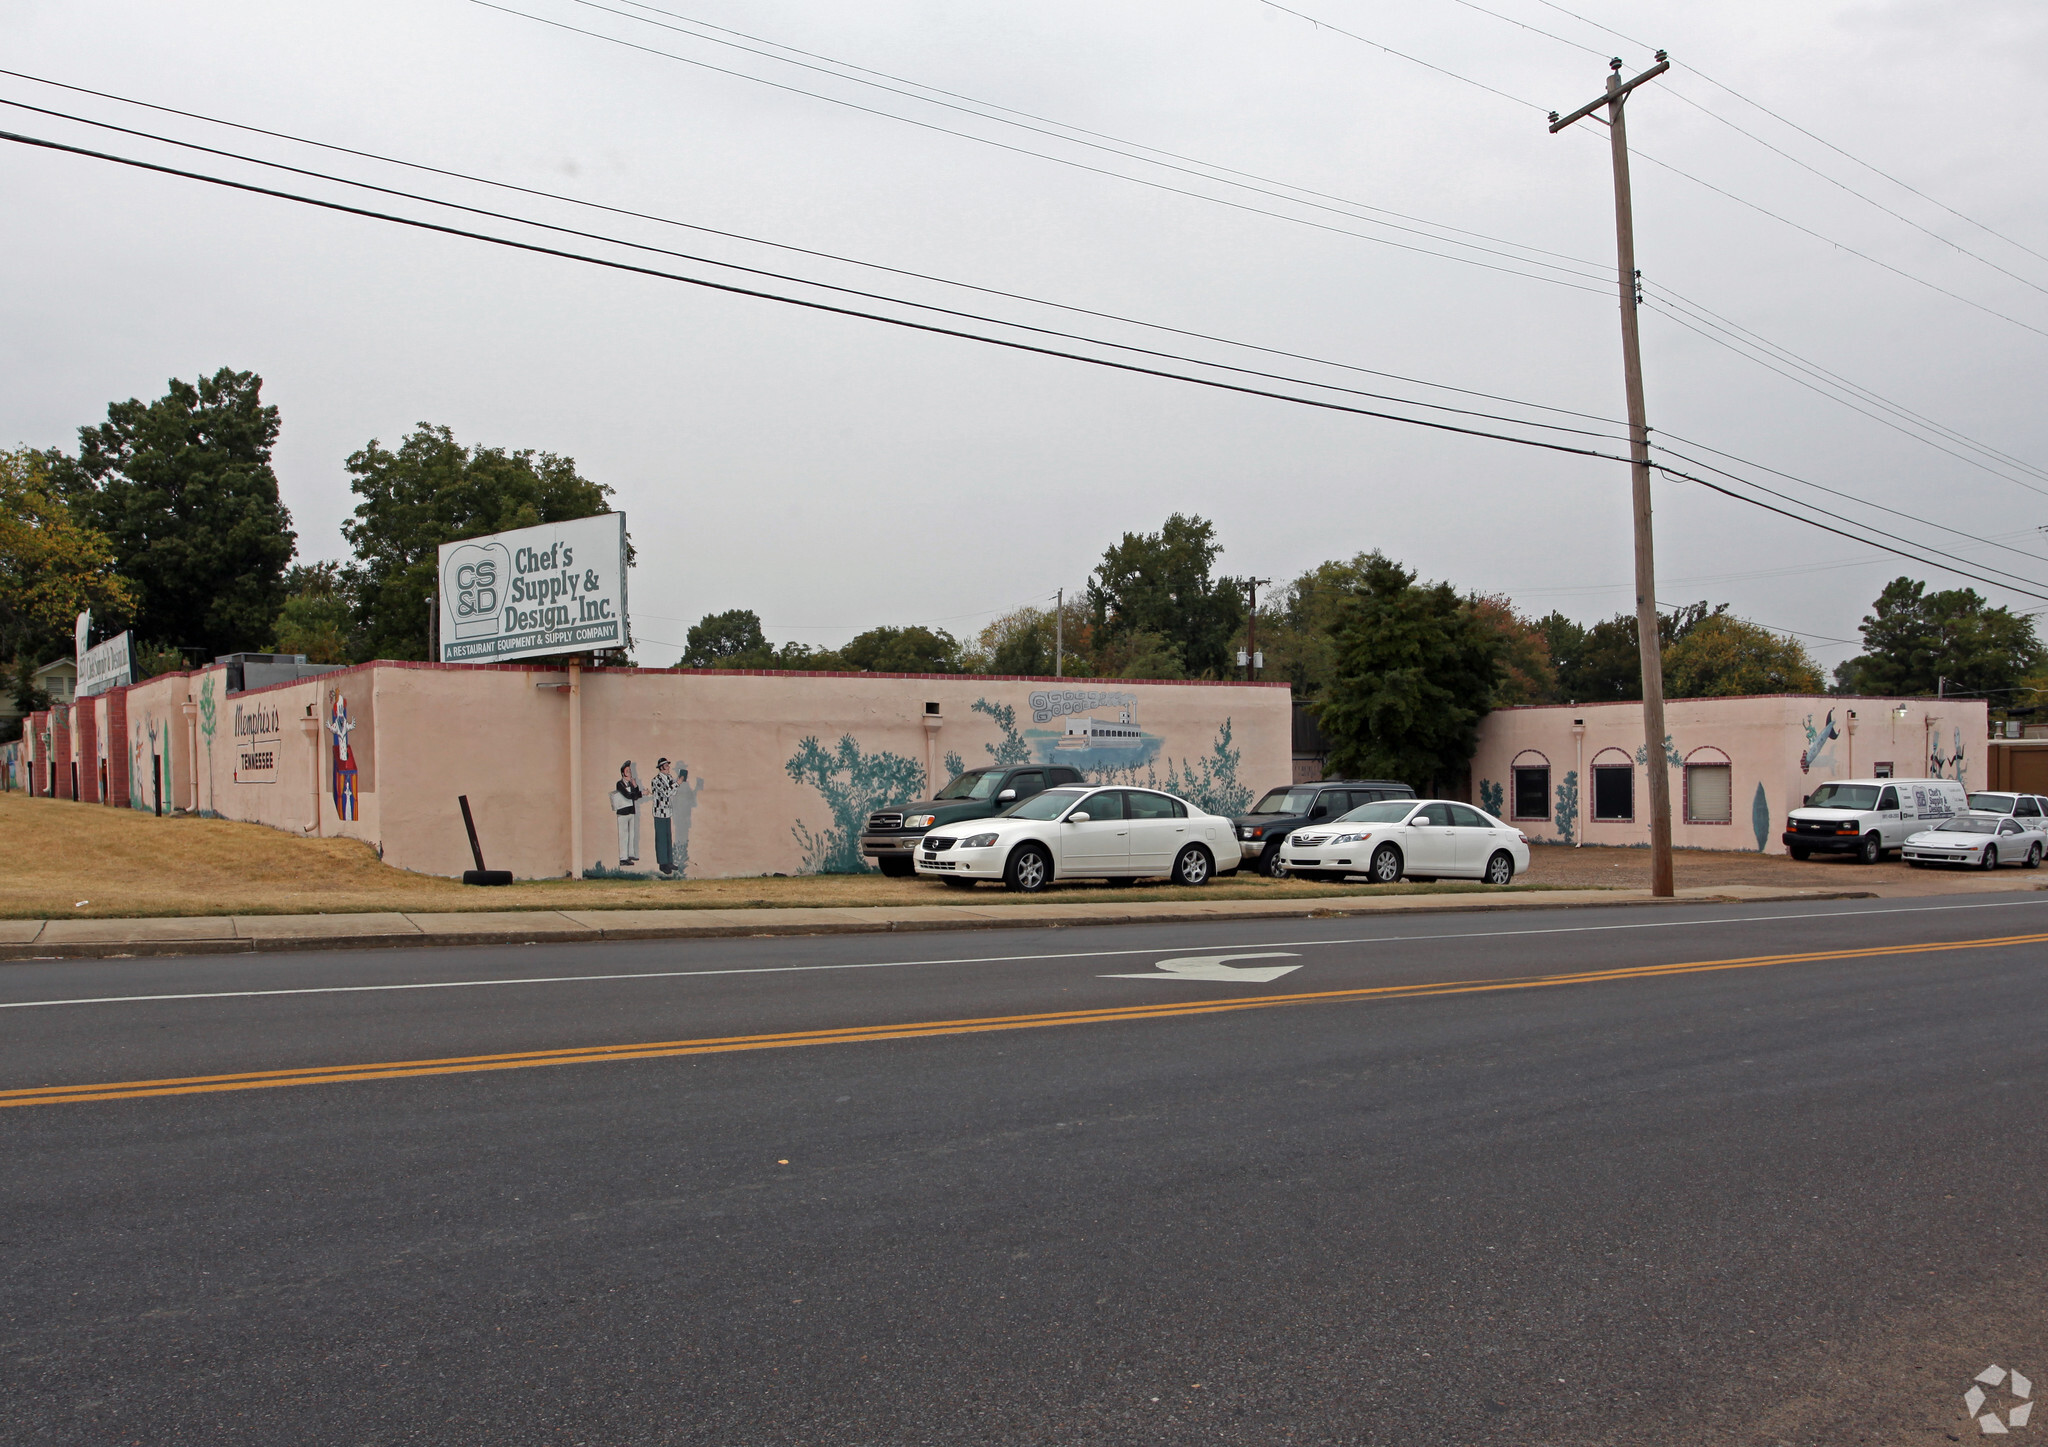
[[1217, 968]]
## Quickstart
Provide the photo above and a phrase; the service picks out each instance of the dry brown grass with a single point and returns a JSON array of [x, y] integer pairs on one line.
[[76, 861]]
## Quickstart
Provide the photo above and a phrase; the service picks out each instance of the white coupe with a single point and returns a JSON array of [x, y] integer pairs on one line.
[[1082, 833], [1419, 838], [1984, 840]]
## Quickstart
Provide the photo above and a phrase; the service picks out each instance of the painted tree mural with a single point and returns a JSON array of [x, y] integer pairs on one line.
[[1493, 798], [1568, 806], [854, 784], [1209, 783], [1013, 749]]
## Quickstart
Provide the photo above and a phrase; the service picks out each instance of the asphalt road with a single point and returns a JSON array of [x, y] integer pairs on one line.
[[1495, 1178]]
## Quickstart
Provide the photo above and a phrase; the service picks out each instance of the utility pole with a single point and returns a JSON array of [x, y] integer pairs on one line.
[[1059, 634], [1661, 883], [1251, 629]]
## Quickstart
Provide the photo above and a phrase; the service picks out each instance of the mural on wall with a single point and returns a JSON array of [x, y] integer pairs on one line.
[[1013, 749], [209, 721], [1085, 738], [1209, 783], [1567, 817], [1937, 761], [340, 724], [1671, 754], [854, 784], [625, 804], [1817, 741], [955, 766], [1493, 798], [675, 797], [1760, 819]]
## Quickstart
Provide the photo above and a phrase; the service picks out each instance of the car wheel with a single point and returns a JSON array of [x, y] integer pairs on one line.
[[1990, 857], [1386, 865], [1501, 868], [1029, 870], [1869, 849], [1802, 855], [951, 883], [2033, 860], [897, 866], [1193, 866], [1271, 864]]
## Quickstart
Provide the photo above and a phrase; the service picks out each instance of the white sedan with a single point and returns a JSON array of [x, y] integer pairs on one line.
[[1419, 838], [1078, 832], [1981, 839]]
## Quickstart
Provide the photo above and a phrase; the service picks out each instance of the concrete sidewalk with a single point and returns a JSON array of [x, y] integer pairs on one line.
[[243, 934]]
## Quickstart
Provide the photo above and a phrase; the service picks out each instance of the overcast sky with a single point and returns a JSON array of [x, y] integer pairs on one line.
[[834, 474]]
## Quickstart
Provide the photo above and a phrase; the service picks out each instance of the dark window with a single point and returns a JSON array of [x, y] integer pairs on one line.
[[1028, 784], [1614, 791], [2028, 808], [1066, 776], [2008, 827], [1436, 814], [1329, 802], [1465, 818], [1148, 806], [1109, 804], [1532, 792], [1889, 799]]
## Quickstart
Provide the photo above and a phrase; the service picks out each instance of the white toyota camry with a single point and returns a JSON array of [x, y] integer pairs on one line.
[[1982, 839], [1083, 833], [1419, 838]]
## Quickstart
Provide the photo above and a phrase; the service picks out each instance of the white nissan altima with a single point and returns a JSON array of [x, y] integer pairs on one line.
[[1083, 833], [1419, 838]]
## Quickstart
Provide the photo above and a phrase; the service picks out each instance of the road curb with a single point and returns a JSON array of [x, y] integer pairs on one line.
[[981, 919]]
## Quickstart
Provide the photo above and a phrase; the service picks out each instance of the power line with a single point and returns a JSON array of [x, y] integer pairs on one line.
[[1532, 29], [1564, 280], [1134, 368], [1321, 24], [979, 108], [782, 246], [800, 280]]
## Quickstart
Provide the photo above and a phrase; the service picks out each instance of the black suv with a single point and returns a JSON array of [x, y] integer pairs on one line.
[[1261, 832], [891, 836]]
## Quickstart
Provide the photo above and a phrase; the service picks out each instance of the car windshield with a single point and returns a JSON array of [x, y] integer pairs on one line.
[[977, 785], [1286, 801], [1049, 805], [1967, 824], [1843, 796], [1996, 803], [1387, 811]]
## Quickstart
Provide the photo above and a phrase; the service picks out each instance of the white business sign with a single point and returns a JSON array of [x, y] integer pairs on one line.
[[557, 588], [106, 665]]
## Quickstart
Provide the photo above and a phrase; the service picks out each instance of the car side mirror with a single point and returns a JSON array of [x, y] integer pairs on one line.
[[1006, 796], [1077, 818]]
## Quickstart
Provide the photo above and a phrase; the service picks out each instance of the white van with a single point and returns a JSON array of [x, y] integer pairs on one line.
[[1866, 817]]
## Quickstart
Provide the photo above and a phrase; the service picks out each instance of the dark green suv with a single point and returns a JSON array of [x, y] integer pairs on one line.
[[891, 835]]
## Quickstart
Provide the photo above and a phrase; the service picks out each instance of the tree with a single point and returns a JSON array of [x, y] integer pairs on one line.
[[1603, 664], [732, 639], [183, 489], [322, 602], [1914, 639], [1297, 623], [1415, 672], [1720, 657], [1526, 672], [52, 567], [902, 650], [1160, 583], [431, 491]]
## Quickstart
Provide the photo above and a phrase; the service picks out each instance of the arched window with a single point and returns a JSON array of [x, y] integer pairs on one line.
[[1531, 772], [1709, 786], [1614, 786]]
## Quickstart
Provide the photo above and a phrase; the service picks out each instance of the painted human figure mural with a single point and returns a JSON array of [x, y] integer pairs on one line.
[[625, 803], [675, 795], [341, 723]]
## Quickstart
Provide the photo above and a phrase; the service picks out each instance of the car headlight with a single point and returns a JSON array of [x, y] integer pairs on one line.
[[1351, 838], [1252, 832], [920, 821], [977, 841]]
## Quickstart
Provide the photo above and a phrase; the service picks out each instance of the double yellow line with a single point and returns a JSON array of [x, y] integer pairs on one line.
[[916, 1030]]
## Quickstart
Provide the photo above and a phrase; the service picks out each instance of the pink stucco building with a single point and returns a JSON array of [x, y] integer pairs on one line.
[[1571, 773], [773, 772]]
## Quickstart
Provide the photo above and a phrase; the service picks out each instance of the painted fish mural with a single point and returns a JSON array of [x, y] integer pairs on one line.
[[1760, 819], [1827, 734]]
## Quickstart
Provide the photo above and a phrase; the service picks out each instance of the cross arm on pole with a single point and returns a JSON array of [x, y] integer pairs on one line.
[[1616, 94]]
